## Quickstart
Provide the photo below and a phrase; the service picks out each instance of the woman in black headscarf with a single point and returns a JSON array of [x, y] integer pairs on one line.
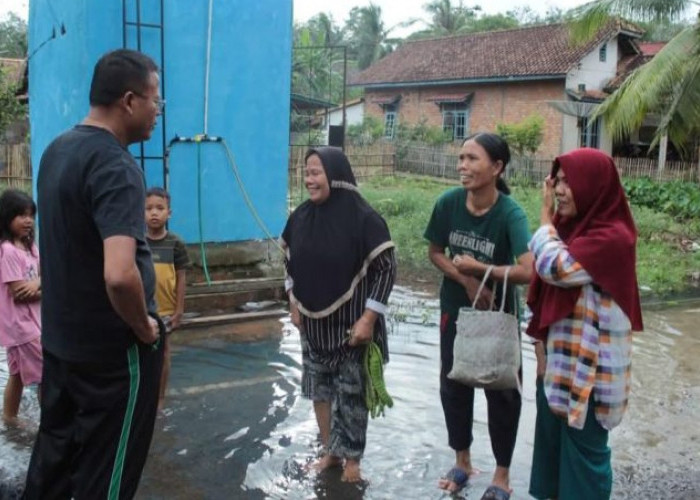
[[340, 271]]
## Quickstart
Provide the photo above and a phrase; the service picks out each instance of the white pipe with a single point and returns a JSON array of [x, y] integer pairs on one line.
[[208, 67]]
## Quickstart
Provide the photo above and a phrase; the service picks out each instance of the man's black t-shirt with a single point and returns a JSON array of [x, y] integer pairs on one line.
[[89, 188]]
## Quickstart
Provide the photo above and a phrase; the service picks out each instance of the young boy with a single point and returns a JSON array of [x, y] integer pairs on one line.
[[170, 260]]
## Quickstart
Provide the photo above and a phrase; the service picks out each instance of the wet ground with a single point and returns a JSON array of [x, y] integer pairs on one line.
[[236, 427]]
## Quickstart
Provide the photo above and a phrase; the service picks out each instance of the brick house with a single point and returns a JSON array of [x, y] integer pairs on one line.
[[472, 82]]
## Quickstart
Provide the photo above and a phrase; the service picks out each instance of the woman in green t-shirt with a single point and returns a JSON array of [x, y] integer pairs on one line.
[[479, 225]]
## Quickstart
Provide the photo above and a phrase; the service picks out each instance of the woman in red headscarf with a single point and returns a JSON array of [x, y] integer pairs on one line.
[[585, 302]]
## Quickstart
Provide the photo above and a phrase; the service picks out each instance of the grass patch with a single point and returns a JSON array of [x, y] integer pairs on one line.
[[406, 204], [665, 260]]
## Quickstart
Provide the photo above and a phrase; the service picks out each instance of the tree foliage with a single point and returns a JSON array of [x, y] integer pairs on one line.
[[367, 36], [527, 17], [13, 36], [448, 19], [317, 68], [525, 136], [423, 133], [370, 130], [11, 109]]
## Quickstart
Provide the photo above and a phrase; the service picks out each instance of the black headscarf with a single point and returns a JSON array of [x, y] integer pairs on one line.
[[331, 244]]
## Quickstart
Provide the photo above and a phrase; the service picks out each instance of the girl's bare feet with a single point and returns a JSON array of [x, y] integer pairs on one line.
[[10, 421], [351, 472]]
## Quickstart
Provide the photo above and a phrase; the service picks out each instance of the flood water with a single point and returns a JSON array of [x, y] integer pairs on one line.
[[235, 425]]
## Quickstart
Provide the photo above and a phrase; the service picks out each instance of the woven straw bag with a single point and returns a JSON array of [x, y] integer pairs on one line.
[[487, 346]]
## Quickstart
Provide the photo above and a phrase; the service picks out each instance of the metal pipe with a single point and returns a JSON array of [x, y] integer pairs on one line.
[[162, 91], [124, 22], [138, 47], [208, 67], [138, 23]]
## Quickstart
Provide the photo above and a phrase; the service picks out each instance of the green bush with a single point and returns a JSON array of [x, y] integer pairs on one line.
[[422, 132], [525, 136], [371, 129], [676, 198]]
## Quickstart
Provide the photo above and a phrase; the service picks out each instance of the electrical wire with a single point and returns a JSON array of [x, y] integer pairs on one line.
[[247, 199], [208, 69]]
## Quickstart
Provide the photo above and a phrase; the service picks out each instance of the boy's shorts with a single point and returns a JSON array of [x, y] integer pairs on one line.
[[27, 361]]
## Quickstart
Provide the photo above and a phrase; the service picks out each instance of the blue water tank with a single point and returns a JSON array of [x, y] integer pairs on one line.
[[248, 98]]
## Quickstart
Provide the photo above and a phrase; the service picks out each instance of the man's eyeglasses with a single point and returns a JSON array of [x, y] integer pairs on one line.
[[159, 103]]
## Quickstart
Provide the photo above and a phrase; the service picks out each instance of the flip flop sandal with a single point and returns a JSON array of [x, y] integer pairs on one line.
[[457, 476], [495, 493]]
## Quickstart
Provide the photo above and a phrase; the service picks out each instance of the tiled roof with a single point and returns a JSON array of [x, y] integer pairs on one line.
[[590, 95], [651, 48], [629, 63], [531, 52]]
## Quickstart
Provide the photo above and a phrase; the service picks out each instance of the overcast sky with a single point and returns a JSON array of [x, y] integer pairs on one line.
[[19, 7], [393, 11]]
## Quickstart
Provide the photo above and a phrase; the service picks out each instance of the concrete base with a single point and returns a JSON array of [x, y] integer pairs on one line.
[[236, 260], [226, 297], [239, 272]]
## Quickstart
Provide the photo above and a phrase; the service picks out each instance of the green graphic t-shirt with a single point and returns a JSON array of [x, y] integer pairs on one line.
[[497, 237]]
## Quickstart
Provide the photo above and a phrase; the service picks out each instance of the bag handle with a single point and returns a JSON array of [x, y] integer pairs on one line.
[[505, 289], [481, 287], [493, 296]]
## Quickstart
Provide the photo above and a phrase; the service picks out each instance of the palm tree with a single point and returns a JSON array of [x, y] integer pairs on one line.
[[325, 30], [368, 37], [448, 19], [316, 64], [667, 86]]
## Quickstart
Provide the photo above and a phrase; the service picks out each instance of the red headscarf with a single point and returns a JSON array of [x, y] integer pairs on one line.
[[602, 237]]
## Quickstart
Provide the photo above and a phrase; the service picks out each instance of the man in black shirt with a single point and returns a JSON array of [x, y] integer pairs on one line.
[[102, 350]]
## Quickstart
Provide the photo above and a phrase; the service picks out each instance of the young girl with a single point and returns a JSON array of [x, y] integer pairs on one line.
[[20, 293]]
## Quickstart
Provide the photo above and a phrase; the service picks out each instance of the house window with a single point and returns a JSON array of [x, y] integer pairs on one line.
[[589, 133], [603, 52], [455, 119], [390, 118]]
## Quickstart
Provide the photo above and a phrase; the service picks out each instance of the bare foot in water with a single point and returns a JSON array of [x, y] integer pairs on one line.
[[326, 462], [19, 424], [351, 472], [10, 421]]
